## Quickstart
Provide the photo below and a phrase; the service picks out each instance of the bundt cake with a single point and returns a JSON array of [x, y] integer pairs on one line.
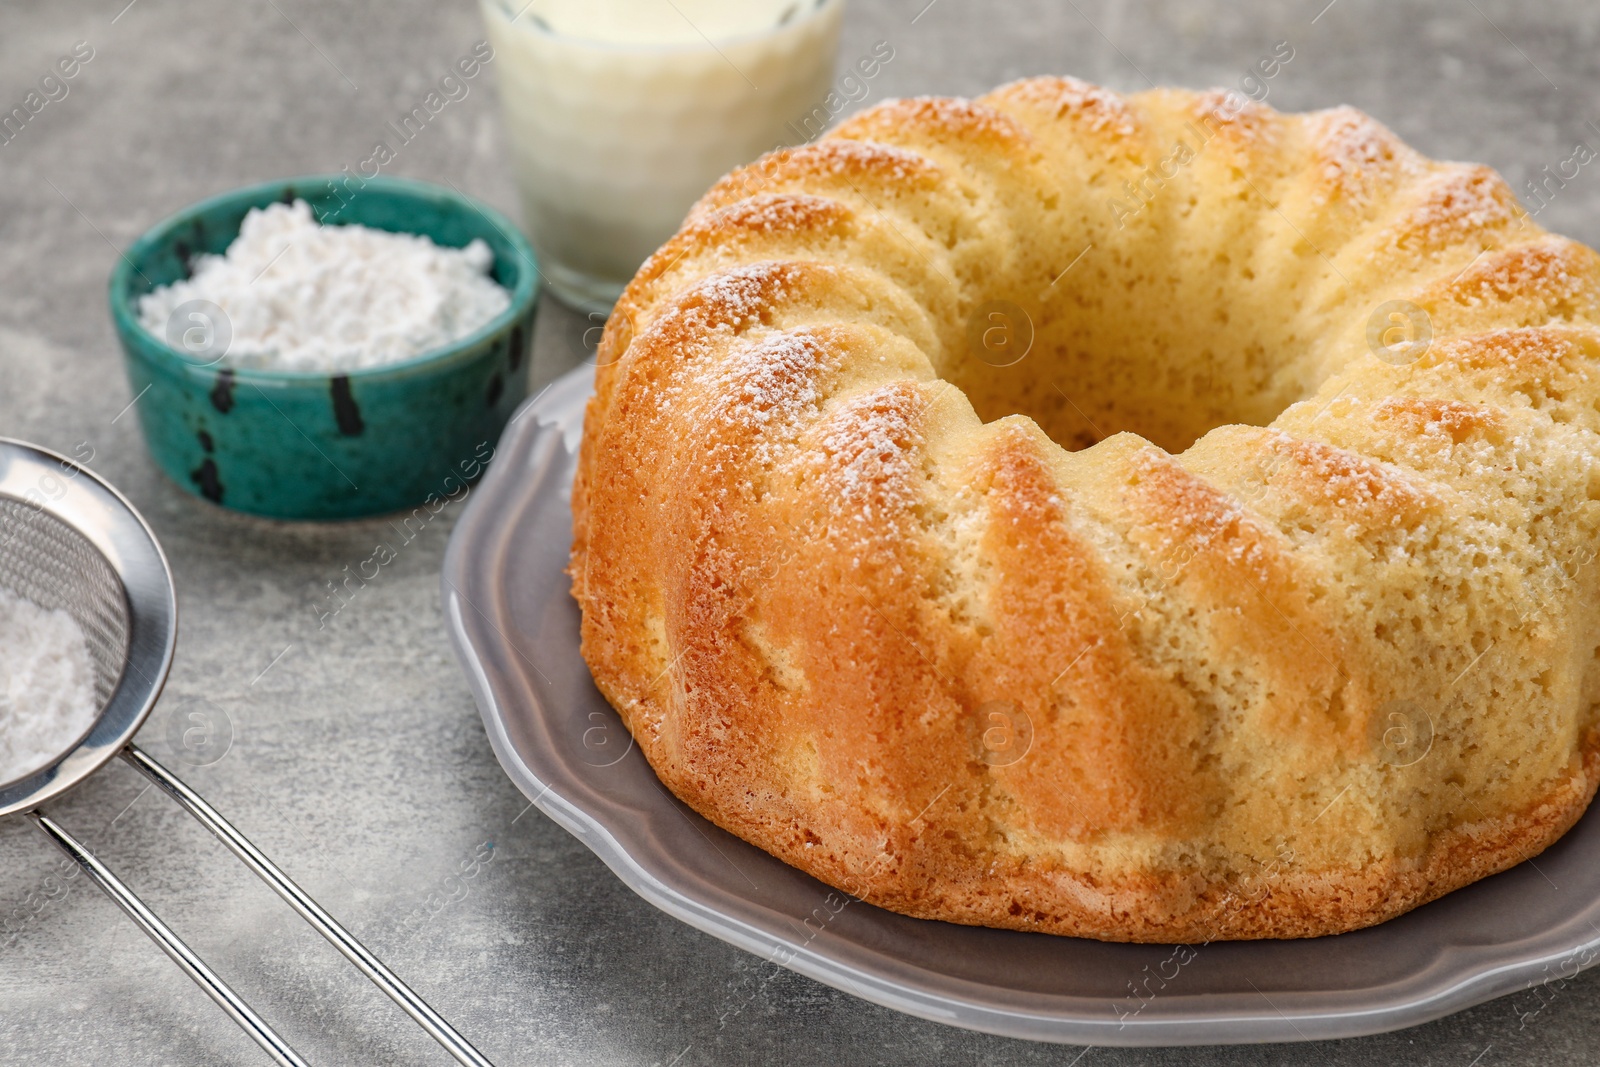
[[1147, 518]]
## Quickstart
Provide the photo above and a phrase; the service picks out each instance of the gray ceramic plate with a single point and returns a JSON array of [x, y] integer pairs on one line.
[[515, 629]]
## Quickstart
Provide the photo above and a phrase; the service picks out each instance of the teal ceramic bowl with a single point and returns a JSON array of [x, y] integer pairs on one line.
[[297, 445]]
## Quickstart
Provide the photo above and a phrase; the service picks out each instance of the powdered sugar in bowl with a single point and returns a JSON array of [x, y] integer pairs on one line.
[[374, 343]]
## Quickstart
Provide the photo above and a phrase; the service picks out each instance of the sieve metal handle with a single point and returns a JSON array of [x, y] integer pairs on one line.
[[308, 909], [172, 945]]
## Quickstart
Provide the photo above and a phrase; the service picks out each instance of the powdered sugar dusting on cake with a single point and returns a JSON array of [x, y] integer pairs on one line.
[[769, 387], [867, 451], [729, 301], [843, 155], [705, 317], [1090, 106], [1230, 111], [1547, 269], [1359, 155], [1198, 517], [790, 169], [1462, 199], [1348, 479], [953, 115], [786, 212]]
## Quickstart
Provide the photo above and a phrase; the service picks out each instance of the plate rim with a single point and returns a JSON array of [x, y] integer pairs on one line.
[[558, 410]]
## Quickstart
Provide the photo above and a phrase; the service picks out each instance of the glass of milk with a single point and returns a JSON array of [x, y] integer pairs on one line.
[[621, 113]]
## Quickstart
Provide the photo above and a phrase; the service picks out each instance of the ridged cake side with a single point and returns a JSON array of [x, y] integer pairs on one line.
[[1315, 646]]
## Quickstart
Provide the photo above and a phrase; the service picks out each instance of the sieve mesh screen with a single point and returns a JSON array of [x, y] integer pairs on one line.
[[48, 562]]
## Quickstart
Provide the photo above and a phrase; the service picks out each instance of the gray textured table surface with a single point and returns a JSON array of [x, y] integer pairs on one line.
[[353, 753]]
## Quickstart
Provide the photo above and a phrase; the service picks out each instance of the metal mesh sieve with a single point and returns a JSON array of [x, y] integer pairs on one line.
[[70, 542], [44, 560]]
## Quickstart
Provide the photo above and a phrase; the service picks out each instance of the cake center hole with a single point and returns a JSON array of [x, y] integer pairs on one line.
[[1102, 354]]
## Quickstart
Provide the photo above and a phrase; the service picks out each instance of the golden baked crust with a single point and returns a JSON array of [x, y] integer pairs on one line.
[[1316, 643]]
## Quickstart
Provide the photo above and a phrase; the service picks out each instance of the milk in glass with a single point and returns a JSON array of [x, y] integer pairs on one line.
[[621, 113]]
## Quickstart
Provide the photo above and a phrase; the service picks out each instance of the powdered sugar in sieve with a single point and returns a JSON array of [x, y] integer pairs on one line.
[[47, 698]]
